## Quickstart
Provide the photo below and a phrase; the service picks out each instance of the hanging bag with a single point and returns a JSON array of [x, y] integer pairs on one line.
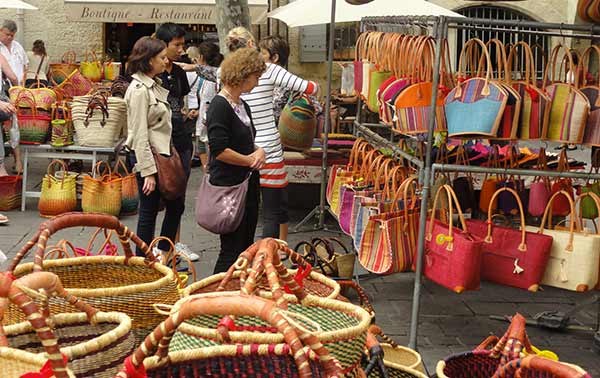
[[570, 107], [399, 64], [463, 185], [476, 105], [358, 62], [511, 257], [378, 75], [297, 123], [452, 255], [58, 195], [575, 256], [561, 206], [540, 188], [592, 92], [489, 185]]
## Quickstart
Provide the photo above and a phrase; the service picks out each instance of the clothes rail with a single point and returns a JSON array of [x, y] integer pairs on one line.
[[512, 171], [377, 139], [458, 22], [534, 32]]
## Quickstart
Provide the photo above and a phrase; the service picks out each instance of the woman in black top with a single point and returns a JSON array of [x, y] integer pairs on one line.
[[232, 152]]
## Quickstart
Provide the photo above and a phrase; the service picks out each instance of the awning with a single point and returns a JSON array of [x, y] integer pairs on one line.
[[153, 11]]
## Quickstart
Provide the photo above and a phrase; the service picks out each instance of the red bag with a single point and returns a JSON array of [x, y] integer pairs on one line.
[[452, 256], [511, 257], [561, 206]]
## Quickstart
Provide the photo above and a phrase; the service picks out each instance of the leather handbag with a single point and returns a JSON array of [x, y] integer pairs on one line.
[[389, 241], [475, 107], [220, 209], [171, 176], [570, 107], [452, 255], [575, 256], [535, 106], [539, 190], [511, 257], [592, 92]]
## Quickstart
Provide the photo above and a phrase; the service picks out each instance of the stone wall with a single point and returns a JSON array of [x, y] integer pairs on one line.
[[50, 24]]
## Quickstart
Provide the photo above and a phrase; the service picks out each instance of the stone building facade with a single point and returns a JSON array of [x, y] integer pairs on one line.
[[50, 24]]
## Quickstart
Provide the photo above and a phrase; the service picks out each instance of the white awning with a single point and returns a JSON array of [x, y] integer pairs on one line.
[[153, 11]]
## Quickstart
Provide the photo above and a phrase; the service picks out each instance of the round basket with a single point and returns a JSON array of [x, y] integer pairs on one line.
[[316, 284], [127, 284], [15, 363], [96, 350]]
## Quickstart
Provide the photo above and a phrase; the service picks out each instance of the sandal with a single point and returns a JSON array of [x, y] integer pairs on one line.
[[3, 219]]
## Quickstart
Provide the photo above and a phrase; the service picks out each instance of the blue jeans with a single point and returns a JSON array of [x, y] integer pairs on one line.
[[150, 204]]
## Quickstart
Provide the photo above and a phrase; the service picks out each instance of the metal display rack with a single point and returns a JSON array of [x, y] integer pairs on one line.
[[437, 27]]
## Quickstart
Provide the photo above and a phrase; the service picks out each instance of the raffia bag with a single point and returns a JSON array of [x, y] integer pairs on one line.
[[58, 192], [101, 193], [98, 121], [127, 284]]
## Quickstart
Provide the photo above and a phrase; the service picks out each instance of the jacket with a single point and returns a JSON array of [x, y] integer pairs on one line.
[[148, 122]]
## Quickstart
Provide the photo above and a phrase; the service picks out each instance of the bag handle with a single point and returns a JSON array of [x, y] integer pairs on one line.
[[312, 257], [551, 67], [51, 172], [107, 243], [120, 164], [451, 200], [485, 91], [584, 64], [488, 239], [69, 57], [512, 343], [227, 304], [548, 210], [513, 56], [68, 220]]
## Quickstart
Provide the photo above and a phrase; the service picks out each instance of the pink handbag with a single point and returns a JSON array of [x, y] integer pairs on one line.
[[539, 191]]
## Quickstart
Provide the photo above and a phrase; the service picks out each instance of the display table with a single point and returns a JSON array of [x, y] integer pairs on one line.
[[303, 170], [46, 151]]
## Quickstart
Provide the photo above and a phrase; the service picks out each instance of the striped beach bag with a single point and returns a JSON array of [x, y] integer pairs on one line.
[[298, 123]]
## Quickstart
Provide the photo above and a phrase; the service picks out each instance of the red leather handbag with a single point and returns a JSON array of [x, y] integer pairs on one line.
[[452, 255], [511, 257]]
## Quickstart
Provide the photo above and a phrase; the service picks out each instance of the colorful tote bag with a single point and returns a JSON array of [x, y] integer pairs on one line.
[[511, 257], [452, 255], [475, 107], [535, 105], [592, 92], [389, 240], [570, 107]]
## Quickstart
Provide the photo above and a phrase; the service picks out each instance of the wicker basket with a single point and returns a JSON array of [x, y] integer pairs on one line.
[[10, 192], [127, 284], [15, 363], [267, 340]]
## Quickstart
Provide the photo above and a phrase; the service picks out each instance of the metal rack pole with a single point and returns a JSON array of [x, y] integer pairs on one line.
[[439, 32], [455, 22], [379, 140], [512, 171]]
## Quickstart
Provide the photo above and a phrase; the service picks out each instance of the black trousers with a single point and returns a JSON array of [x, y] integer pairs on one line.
[[275, 210], [238, 241], [150, 205]]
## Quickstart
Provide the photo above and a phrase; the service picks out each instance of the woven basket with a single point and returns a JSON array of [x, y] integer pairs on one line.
[[62, 126], [399, 361], [34, 124], [58, 194], [15, 363], [101, 193], [297, 123], [539, 367], [130, 196], [267, 339], [98, 121], [60, 71], [483, 362], [344, 324], [10, 192], [127, 284]]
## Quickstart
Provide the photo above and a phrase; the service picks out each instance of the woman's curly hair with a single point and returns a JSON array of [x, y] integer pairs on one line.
[[239, 65]]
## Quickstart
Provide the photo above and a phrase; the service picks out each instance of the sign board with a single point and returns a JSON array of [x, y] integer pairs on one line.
[[152, 11]]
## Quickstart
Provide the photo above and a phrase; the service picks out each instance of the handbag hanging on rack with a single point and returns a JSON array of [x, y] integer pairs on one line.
[[475, 107], [561, 206], [575, 256], [463, 185], [452, 255], [511, 257], [540, 188], [489, 185], [592, 92], [570, 107]]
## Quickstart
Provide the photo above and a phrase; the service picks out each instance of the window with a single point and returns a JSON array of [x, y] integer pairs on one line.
[[539, 44], [345, 40]]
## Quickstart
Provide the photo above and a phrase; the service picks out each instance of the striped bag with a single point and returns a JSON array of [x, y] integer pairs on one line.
[[570, 107], [476, 105], [297, 123], [592, 92], [388, 243]]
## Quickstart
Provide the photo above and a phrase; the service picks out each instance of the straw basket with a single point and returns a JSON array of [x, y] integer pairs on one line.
[[60, 71], [15, 363], [127, 284], [10, 192], [265, 339], [98, 121], [58, 192]]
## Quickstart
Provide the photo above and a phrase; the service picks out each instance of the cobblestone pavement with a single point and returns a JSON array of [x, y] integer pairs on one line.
[[449, 323]]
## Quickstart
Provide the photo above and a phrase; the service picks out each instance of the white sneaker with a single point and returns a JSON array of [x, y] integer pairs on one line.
[[187, 252], [158, 254]]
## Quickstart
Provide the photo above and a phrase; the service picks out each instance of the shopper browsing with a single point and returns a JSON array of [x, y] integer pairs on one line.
[[39, 65], [232, 149]]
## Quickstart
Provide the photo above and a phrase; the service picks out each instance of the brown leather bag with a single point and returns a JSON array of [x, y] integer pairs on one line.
[[171, 176]]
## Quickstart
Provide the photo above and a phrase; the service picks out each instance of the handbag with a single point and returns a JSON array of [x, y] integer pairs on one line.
[[489, 185], [535, 107], [91, 68], [60, 71], [539, 190], [570, 107], [99, 121], [58, 195], [511, 257], [10, 192], [575, 256], [463, 186], [102, 192], [172, 179], [297, 123], [358, 62], [476, 105], [130, 196], [347, 86], [220, 209], [389, 242], [452, 255], [41, 98], [561, 207], [592, 92], [62, 126], [34, 124]]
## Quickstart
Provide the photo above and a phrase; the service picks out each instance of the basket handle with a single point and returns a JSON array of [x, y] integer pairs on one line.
[[121, 164], [375, 330], [69, 220], [172, 255], [107, 243], [518, 367], [69, 57], [376, 355], [230, 304], [61, 250]]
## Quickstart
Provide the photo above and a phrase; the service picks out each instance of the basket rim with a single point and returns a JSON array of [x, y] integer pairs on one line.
[[123, 327], [395, 365], [27, 357], [363, 317], [263, 293], [168, 275]]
